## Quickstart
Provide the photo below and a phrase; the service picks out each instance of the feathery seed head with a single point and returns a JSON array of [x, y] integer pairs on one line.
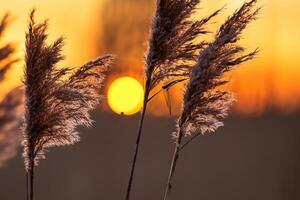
[[173, 49], [56, 105], [7, 50], [11, 110], [205, 104]]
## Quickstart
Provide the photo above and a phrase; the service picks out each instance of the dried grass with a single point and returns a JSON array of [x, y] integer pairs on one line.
[[204, 103], [173, 50], [7, 50], [57, 100], [10, 111]]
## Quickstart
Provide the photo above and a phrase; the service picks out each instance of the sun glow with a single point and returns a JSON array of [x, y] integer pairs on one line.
[[271, 81], [125, 96]]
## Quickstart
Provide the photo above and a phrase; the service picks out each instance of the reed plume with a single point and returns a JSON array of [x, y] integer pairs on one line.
[[205, 104], [57, 100], [11, 110], [11, 106], [172, 52], [7, 50]]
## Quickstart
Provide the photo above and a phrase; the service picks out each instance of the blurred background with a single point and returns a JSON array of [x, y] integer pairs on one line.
[[256, 154]]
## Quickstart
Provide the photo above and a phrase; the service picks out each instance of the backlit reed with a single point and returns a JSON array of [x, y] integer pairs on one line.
[[57, 99]]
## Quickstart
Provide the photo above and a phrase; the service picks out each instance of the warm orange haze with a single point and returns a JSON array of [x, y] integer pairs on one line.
[[271, 80], [149, 99]]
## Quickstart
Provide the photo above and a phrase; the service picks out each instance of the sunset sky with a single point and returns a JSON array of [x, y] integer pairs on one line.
[[255, 155], [94, 27]]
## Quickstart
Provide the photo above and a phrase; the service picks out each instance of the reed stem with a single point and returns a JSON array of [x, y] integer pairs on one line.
[[30, 180], [27, 186], [173, 165], [138, 139], [31, 183]]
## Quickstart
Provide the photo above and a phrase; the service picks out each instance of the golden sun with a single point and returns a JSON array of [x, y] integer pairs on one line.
[[125, 96]]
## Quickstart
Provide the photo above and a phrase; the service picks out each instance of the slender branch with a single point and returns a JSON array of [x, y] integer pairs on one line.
[[189, 140], [137, 144], [173, 165]]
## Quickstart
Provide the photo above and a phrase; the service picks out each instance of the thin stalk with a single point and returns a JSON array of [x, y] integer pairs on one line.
[[31, 183], [173, 165], [27, 186], [138, 139], [30, 176]]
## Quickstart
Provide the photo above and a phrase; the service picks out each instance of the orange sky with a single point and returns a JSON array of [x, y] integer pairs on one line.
[[93, 27]]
